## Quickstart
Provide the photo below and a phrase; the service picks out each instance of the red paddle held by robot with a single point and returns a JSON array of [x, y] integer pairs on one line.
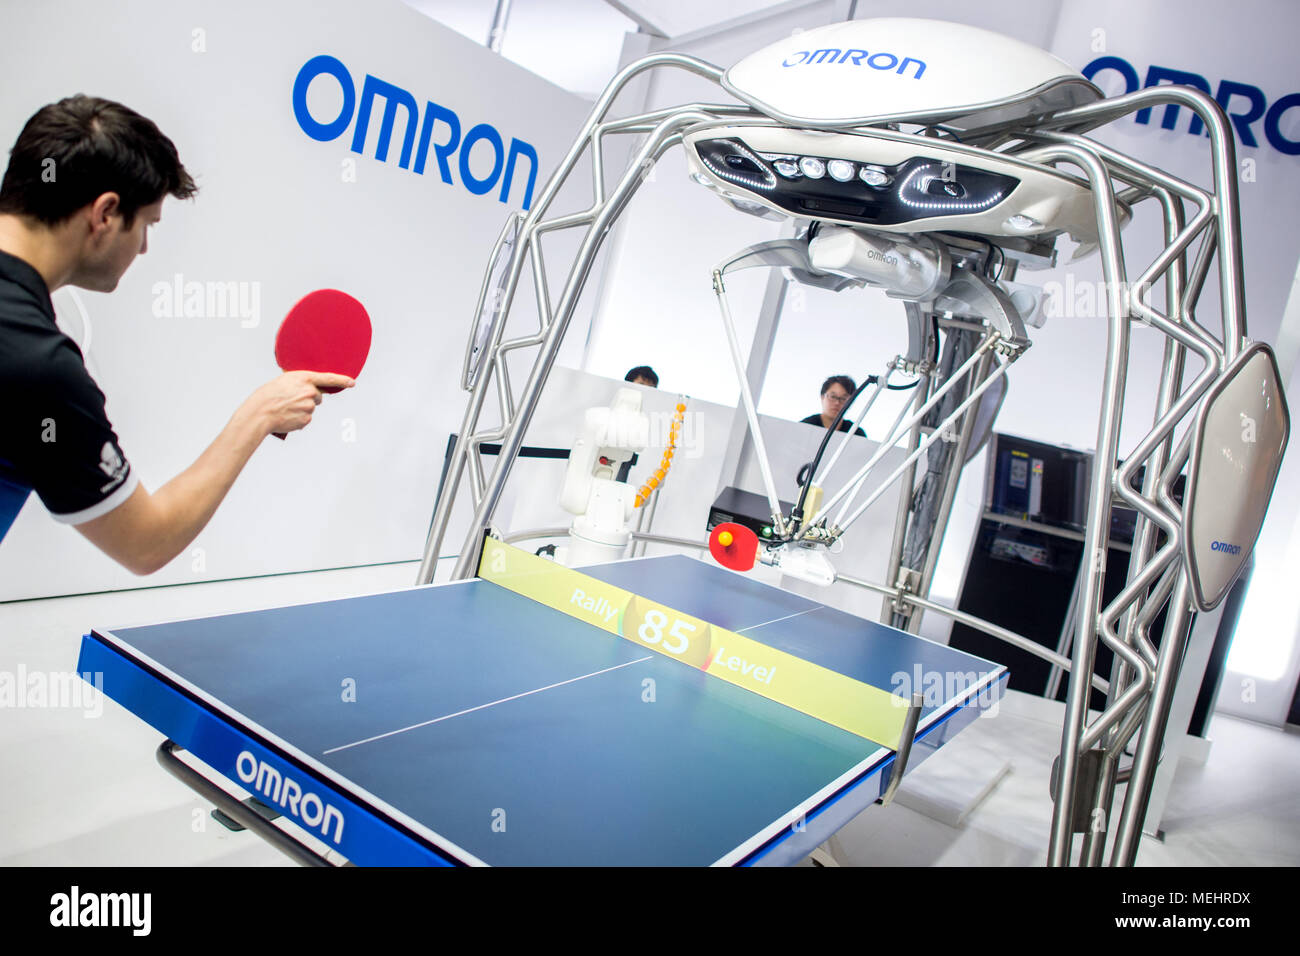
[[733, 546], [327, 331]]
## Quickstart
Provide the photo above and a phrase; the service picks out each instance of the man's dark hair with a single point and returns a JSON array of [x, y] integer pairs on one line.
[[73, 151], [645, 372], [843, 381]]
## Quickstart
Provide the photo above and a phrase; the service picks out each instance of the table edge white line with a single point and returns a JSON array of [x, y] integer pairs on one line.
[[470, 710]]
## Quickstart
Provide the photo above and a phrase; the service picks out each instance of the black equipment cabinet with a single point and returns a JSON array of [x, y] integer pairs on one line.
[[1024, 580], [1024, 566]]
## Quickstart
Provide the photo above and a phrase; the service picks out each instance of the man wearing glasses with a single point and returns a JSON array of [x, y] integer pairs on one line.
[[836, 390]]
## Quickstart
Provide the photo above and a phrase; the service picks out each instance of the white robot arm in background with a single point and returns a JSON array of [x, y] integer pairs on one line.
[[609, 437]]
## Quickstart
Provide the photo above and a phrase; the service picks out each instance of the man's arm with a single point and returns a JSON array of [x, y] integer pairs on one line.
[[147, 531]]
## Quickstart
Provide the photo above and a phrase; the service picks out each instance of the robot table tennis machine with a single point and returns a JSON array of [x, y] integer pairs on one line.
[[936, 161]]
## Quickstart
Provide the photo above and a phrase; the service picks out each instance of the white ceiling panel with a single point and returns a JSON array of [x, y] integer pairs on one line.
[[674, 18]]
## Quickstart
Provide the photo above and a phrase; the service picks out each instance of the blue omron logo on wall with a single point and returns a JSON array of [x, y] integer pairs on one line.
[[1246, 105], [449, 142]]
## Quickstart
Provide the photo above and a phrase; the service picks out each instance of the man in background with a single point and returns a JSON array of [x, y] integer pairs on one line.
[[836, 390], [642, 375]]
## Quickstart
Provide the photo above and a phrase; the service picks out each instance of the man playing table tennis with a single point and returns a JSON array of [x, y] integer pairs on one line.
[[86, 179]]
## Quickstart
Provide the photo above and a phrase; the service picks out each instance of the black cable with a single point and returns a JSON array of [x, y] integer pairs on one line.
[[939, 132], [934, 358], [988, 261], [796, 513], [903, 388]]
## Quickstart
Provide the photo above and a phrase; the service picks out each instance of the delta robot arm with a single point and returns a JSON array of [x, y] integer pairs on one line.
[[931, 278]]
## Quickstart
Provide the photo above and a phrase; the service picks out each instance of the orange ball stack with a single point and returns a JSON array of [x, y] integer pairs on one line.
[[674, 432]]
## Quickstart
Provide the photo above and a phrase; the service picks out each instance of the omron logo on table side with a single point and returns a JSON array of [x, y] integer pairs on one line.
[[287, 794], [505, 164], [877, 61]]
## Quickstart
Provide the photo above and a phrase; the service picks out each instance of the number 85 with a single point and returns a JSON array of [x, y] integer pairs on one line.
[[651, 631]]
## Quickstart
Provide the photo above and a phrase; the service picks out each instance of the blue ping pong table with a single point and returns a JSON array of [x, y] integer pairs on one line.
[[462, 723]]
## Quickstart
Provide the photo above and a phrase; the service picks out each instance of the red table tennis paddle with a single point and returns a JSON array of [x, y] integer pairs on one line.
[[733, 546], [327, 331]]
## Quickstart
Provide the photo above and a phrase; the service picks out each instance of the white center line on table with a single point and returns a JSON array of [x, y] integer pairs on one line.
[[779, 619], [470, 710]]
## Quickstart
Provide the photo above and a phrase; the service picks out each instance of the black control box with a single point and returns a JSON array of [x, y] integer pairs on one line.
[[745, 508]]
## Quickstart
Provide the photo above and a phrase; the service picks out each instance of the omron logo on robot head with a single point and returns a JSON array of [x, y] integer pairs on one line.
[[853, 57], [1246, 105], [1225, 548], [439, 120], [286, 793]]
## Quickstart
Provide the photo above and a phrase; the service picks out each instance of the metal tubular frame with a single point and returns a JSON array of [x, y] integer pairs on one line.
[[949, 485], [1138, 700], [1140, 690]]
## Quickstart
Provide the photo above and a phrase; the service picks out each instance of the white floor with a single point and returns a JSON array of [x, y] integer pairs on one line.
[[1242, 808], [81, 788]]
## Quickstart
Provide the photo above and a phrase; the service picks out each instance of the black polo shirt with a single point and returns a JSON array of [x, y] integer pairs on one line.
[[845, 424], [55, 438]]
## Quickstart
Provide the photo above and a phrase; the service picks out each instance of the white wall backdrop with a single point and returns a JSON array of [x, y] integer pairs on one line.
[[574, 44], [280, 213]]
